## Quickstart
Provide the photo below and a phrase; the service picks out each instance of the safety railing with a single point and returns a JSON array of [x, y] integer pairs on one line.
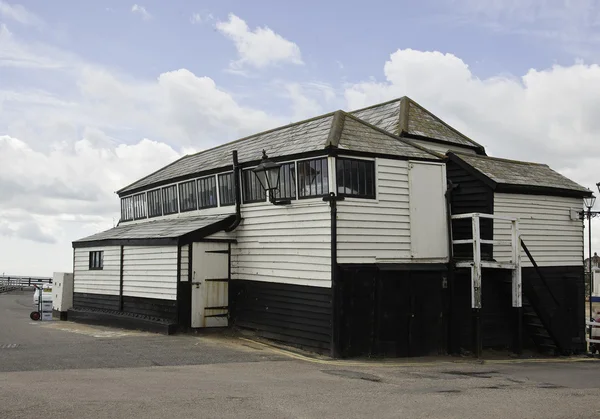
[[477, 264], [9, 283], [595, 337]]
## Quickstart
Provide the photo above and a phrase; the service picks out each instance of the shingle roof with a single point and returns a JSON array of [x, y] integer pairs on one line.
[[337, 129], [519, 173], [405, 116], [297, 138], [158, 229]]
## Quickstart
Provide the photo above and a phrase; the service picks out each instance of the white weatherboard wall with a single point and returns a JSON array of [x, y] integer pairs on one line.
[[288, 244], [150, 272], [551, 235], [379, 231], [103, 281]]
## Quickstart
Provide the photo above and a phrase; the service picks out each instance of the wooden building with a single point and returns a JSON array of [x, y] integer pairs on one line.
[[360, 260]]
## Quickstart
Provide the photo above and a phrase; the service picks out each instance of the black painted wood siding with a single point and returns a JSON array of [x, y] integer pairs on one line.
[[96, 301], [565, 282], [567, 285], [151, 307], [146, 307], [472, 195], [292, 314]]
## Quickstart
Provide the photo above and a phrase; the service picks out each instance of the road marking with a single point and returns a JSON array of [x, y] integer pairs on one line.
[[81, 329], [9, 346], [414, 363]]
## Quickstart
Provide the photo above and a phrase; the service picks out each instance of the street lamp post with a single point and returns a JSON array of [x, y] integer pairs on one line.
[[589, 203]]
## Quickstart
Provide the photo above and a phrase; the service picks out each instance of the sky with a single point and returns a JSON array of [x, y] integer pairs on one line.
[[94, 95]]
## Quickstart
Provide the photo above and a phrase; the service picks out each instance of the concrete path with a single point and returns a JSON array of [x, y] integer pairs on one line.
[[64, 370]]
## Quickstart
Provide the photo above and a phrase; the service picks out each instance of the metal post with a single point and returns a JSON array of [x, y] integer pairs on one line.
[[517, 295], [476, 288], [589, 215]]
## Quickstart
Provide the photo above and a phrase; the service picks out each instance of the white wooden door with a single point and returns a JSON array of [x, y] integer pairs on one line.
[[428, 222], [210, 284]]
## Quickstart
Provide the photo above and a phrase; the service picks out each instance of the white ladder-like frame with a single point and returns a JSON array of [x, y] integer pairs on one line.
[[477, 264]]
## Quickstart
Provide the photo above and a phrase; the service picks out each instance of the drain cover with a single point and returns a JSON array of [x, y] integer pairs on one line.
[[8, 345]]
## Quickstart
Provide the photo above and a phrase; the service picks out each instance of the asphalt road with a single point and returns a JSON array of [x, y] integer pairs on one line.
[[64, 370]]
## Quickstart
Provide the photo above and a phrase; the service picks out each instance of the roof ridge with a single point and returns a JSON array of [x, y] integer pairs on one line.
[[337, 126], [396, 137], [444, 123], [378, 104], [477, 156]]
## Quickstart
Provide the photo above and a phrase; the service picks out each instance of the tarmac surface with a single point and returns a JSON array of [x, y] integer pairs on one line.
[[66, 370]]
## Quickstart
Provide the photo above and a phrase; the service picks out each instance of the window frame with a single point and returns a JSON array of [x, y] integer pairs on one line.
[[176, 194], [127, 201], [207, 179], [324, 181], [254, 185], [140, 202], [96, 260], [219, 190], [192, 186], [160, 206], [369, 164], [294, 177]]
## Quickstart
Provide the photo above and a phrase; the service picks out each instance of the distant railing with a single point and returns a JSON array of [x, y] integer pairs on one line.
[[593, 325], [9, 283]]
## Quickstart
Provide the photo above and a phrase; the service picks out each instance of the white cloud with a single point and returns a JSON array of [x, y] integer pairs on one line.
[[82, 132], [309, 99], [259, 48], [547, 115], [19, 14], [198, 18], [141, 10]]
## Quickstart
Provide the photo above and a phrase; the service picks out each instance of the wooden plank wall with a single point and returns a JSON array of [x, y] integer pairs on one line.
[[105, 281], [372, 229], [293, 314], [284, 244], [150, 272], [553, 238]]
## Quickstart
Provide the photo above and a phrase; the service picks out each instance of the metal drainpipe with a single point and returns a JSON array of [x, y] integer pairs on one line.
[[238, 195], [335, 303]]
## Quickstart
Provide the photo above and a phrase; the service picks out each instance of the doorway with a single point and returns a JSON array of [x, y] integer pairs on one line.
[[210, 274]]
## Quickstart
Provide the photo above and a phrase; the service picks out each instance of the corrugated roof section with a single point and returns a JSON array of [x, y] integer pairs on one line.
[[297, 138], [358, 136], [159, 229], [511, 172]]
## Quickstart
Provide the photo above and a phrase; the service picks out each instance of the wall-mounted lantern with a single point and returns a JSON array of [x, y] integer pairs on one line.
[[267, 173]]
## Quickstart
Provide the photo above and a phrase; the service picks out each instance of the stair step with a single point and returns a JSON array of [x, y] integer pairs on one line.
[[542, 334]]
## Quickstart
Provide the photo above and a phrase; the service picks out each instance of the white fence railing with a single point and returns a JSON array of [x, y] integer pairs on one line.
[[9, 283], [595, 332], [476, 264]]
